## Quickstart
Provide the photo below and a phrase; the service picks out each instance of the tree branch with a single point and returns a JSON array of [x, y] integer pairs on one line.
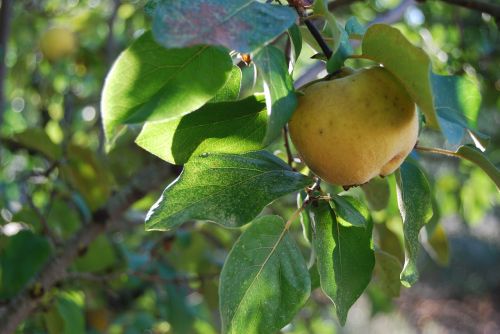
[[478, 5], [5, 15], [340, 3], [109, 216], [299, 7]]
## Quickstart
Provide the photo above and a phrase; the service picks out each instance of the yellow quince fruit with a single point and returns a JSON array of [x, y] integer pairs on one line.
[[355, 127]]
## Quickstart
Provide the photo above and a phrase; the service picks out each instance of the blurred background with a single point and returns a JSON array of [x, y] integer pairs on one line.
[[55, 174]]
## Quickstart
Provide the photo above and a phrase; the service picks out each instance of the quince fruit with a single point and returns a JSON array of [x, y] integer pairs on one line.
[[57, 43], [355, 127]]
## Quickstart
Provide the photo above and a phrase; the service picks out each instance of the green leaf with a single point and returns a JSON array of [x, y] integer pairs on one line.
[[66, 315], [477, 157], [296, 40], [148, 82], [231, 89], [241, 25], [180, 313], [437, 245], [34, 140], [410, 64], [100, 255], [377, 193], [456, 99], [354, 28], [62, 218], [345, 258], [415, 205], [264, 281], [333, 28], [389, 241], [281, 100], [23, 255], [227, 127], [386, 273], [343, 52], [227, 189], [87, 173], [347, 209]]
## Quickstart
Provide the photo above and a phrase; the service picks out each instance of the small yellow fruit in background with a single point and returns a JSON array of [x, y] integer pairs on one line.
[[57, 43], [351, 129]]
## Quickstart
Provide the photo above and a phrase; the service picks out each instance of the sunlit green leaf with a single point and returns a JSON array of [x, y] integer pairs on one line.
[[148, 82], [231, 89], [228, 189], [264, 281], [227, 127]]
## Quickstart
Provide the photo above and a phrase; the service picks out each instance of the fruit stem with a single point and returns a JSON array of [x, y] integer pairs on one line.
[[437, 151]]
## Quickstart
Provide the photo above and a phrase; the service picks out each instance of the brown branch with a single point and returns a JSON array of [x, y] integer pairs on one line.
[[317, 36], [340, 3], [109, 216], [478, 5], [46, 229], [5, 16], [299, 7], [152, 278]]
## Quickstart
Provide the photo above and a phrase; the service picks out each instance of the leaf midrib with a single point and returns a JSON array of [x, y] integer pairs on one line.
[[218, 192], [273, 249]]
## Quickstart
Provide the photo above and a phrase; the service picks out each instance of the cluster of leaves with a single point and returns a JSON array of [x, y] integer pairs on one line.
[[180, 82]]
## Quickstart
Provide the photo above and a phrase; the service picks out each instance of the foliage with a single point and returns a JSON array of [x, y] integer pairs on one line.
[[210, 85]]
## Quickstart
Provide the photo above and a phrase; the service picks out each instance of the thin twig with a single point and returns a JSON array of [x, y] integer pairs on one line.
[[437, 151], [46, 229], [298, 5], [317, 36]]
